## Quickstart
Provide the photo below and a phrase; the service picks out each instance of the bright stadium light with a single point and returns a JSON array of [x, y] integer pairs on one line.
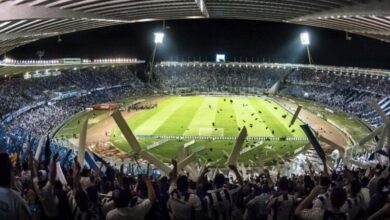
[[305, 39], [158, 38], [220, 58]]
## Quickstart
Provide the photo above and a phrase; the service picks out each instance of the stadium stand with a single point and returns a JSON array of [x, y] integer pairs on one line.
[[346, 92], [55, 186], [217, 77], [36, 100], [38, 105]]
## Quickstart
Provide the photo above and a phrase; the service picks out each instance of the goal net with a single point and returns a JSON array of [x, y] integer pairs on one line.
[[210, 131]]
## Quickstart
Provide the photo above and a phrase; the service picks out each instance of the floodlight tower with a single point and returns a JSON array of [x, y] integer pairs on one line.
[[158, 39], [305, 41]]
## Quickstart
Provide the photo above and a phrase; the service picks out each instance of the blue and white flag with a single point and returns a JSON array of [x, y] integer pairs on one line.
[[66, 158], [90, 160], [386, 100], [384, 104]]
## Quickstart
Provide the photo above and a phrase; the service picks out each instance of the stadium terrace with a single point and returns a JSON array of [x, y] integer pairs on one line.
[[135, 136], [194, 110]]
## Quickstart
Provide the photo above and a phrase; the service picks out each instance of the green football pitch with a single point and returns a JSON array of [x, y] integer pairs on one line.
[[218, 117]]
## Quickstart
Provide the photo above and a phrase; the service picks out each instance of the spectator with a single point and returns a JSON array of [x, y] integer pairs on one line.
[[13, 206], [338, 197], [219, 202], [137, 209], [183, 204], [257, 207]]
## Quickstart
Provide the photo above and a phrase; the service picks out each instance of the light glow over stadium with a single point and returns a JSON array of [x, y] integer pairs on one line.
[[158, 38], [305, 39]]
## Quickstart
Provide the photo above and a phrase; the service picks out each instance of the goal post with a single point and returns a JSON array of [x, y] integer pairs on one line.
[[211, 132]]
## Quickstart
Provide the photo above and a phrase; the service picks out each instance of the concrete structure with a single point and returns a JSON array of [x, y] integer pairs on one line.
[[25, 21]]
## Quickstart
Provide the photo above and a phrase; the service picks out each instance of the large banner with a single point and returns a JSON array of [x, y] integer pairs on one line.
[[106, 106]]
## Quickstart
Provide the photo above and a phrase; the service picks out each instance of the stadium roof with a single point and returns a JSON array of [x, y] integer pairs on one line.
[[25, 21]]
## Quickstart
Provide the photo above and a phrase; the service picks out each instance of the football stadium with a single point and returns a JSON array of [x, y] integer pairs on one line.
[[209, 121], [194, 109]]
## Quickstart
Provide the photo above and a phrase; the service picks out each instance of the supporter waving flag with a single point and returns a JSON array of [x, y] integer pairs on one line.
[[47, 152], [99, 159], [26, 147], [89, 159], [65, 159]]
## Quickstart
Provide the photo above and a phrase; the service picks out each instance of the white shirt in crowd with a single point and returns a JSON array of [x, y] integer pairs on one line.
[[183, 206], [85, 182], [219, 203], [107, 203], [365, 192], [322, 200], [47, 197], [136, 212]]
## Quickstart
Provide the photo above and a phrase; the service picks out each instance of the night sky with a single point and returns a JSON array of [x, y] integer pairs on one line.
[[203, 39]]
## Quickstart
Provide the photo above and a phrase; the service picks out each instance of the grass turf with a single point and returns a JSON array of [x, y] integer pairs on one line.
[[73, 125], [187, 115]]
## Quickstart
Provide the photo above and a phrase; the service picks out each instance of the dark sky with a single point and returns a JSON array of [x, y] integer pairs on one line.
[[189, 39]]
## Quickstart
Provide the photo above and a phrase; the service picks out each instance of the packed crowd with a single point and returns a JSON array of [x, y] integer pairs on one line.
[[360, 82], [92, 85], [47, 189], [215, 76], [41, 120], [347, 100], [352, 94], [17, 92]]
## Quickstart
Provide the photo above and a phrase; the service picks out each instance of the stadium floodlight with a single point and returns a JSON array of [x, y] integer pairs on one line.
[[305, 39], [158, 38]]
